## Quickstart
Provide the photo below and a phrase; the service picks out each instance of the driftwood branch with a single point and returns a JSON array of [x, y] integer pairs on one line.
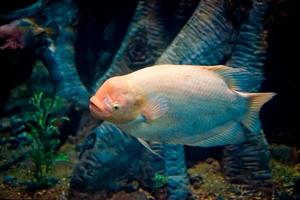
[[250, 47], [20, 34], [205, 39], [144, 41], [25, 12]]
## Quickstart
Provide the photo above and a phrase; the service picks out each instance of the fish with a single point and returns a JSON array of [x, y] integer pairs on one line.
[[191, 105]]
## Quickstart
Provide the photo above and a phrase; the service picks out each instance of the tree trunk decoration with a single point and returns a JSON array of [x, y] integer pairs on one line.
[[177, 32]]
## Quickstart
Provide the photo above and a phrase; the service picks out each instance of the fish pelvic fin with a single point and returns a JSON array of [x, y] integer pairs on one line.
[[256, 100], [147, 146], [236, 78]]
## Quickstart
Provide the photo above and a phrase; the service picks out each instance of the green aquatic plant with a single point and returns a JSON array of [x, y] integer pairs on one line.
[[284, 175], [44, 132], [159, 180]]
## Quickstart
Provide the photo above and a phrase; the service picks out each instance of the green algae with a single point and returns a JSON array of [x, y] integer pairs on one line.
[[284, 175]]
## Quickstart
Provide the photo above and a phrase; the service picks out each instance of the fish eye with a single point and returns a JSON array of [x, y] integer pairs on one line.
[[116, 106]]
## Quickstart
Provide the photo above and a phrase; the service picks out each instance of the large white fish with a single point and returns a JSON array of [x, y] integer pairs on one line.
[[181, 104]]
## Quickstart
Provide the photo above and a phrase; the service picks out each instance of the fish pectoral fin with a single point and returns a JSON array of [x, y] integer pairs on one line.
[[147, 146], [236, 78], [155, 108]]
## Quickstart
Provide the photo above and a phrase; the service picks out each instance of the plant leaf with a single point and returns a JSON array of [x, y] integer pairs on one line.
[[62, 157]]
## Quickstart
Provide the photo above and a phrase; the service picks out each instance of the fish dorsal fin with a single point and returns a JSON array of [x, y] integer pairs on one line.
[[147, 146], [155, 107], [236, 78]]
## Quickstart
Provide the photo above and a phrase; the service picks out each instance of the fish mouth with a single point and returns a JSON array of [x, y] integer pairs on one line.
[[94, 107], [97, 110]]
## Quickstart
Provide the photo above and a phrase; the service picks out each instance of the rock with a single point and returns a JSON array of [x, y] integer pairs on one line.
[[192, 197], [297, 167], [216, 166], [296, 189], [24, 137], [220, 198], [38, 195], [284, 196], [133, 186], [62, 196], [195, 178], [210, 160], [197, 185], [150, 198], [282, 153], [108, 159], [129, 196], [11, 181]]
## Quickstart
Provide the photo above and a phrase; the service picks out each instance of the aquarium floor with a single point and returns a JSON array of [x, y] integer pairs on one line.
[[207, 182], [62, 170]]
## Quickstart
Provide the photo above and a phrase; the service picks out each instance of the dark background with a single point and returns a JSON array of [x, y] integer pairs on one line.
[[280, 116]]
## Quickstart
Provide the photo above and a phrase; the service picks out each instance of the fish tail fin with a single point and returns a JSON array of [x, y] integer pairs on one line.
[[256, 101]]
